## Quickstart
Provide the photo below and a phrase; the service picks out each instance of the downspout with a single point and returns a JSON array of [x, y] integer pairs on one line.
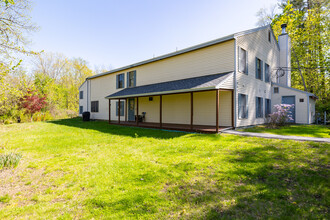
[[235, 82], [308, 111]]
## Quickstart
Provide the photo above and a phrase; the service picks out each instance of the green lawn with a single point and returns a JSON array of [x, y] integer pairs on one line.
[[322, 131], [83, 170]]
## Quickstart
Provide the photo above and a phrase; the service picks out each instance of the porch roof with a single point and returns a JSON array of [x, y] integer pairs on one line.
[[207, 82]]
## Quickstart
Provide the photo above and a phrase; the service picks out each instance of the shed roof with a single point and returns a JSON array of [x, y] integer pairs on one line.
[[294, 89], [178, 86]]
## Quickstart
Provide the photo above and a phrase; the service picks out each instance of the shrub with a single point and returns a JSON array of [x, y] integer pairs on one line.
[[281, 116], [9, 160], [5, 199]]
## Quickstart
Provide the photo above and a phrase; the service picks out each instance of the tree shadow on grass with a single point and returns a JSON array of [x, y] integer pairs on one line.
[[264, 182], [103, 126]]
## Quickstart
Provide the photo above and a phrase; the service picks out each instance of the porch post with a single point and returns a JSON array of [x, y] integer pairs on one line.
[[118, 111], [217, 110], [137, 111], [191, 110], [109, 111], [232, 108], [126, 109], [160, 111]]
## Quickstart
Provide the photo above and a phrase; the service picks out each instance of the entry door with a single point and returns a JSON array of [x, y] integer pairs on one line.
[[290, 100], [131, 109]]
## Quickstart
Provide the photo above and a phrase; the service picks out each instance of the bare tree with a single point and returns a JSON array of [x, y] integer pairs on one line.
[[15, 23], [265, 16]]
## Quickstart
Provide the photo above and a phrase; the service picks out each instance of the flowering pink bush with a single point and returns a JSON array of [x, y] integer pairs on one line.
[[281, 116]]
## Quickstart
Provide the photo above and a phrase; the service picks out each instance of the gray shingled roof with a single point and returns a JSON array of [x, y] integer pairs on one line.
[[183, 85], [196, 47]]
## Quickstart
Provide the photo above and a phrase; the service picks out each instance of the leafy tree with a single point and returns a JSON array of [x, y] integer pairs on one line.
[[308, 25], [33, 102]]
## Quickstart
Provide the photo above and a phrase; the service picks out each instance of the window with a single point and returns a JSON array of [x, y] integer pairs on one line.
[[95, 106], [81, 109], [258, 68], [269, 36], [259, 107], [301, 100], [242, 63], [151, 98], [242, 106], [276, 89], [81, 94], [131, 79], [268, 107], [120, 81], [267, 75], [122, 108]]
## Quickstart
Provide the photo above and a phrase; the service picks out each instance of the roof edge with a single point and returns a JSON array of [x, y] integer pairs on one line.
[[186, 50], [297, 90], [163, 93]]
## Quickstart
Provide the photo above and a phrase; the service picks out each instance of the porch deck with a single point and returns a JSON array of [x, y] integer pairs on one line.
[[167, 126]]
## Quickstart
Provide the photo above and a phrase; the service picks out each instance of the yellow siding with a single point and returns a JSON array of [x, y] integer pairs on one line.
[[210, 60], [176, 109], [257, 45], [150, 107]]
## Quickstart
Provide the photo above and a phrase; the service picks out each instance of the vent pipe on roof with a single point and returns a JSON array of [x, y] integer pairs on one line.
[[283, 26]]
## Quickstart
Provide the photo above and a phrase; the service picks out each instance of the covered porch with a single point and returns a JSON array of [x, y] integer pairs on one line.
[[196, 104]]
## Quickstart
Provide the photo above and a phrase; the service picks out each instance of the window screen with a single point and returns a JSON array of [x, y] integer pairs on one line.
[[120, 81], [95, 106], [242, 106], [122, 108], [259, 107], [243, 64]]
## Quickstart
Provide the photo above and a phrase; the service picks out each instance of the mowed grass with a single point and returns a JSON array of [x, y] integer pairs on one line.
[[73, 169], [321, 131]]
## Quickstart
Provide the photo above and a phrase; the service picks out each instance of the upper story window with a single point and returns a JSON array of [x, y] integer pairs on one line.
[[276, 89], [259, 107], [258, 68], [131, 79], [242, 61], [120, 81], [95, 106], [81, 94], [269, 36], [267, 73], [242, 106]]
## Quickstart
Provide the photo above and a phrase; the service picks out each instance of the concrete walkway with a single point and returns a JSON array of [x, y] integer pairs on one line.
[[276, 136]]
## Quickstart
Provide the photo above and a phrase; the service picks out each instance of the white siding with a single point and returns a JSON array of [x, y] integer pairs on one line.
[[301, 108], [257, 45], [83, 102]]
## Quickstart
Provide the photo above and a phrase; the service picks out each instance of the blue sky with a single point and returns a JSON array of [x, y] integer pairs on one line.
[[114, 33]]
